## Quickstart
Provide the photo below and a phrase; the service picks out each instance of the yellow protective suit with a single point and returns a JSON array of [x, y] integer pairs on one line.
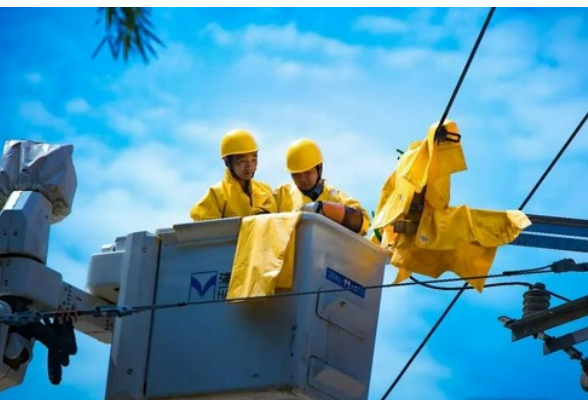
[[289, 198], [262, 266], [227, 199], [457, 239]]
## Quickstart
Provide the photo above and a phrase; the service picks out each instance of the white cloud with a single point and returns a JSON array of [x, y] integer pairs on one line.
[[77, 106], [461, 25], [289, 38], [196, 132], [290, 69], [143, 188], [288, 53], [454, 25], [144, 83], [36, 114], [126, 124], [513, 41], [73, 271], [286, 38], [219, 35], [420, 58], [379, 25]]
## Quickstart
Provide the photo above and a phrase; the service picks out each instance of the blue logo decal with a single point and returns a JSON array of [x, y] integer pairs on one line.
[[200, 284], [346, 283]]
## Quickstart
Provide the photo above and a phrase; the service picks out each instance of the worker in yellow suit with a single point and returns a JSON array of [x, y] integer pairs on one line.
[[425, 234], [311, 193], [238, 194]]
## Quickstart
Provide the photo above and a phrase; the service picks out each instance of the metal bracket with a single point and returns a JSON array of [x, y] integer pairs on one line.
[[551, 344], [555, 233], [541, 321]]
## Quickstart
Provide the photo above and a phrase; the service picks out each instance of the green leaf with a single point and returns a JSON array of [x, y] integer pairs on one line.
[[127, 30]]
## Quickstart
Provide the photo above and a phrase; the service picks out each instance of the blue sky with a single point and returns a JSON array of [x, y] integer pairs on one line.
[[362, 82]]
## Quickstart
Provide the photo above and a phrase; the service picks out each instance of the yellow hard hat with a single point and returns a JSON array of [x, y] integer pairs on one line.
[[237, 141], [303, 155]]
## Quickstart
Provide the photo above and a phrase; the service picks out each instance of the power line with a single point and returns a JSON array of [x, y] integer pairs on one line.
[[521, 207], [469, 287], [445, 113], [566, 265], [466, 286], [559, 154], [465, 69], [24, 317], [423, 343]]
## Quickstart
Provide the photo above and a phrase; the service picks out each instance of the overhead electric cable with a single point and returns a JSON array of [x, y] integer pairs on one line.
[[439, 127], [523, 204], [23, 317], [557, 157]]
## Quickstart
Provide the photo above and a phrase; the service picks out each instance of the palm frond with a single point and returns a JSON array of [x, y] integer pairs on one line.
[[128, 30]]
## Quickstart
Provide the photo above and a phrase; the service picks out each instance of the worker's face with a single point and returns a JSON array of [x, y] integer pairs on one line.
[[244, 165], [306, 180]]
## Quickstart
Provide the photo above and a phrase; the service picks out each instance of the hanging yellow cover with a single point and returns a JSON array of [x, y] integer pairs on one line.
[[458, 239], [264, 257]]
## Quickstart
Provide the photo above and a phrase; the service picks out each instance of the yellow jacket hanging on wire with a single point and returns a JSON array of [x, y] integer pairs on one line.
[[457, 239]]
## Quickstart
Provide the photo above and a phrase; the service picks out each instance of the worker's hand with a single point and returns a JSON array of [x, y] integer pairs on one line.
[[314, 207]]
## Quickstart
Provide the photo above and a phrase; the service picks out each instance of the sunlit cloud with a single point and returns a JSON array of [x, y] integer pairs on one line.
[[77, 106], [35, 113], [380, 25], [291, 69], [287, 38]]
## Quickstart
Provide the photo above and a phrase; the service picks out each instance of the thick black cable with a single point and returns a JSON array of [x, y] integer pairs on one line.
[[557, 157], [443, 117], [425, 340], [465, 69], [466, 285], [506, 273], [469, 287]]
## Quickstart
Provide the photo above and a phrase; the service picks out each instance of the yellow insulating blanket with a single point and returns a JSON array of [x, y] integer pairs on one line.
[[264, 258], [457, 239]]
